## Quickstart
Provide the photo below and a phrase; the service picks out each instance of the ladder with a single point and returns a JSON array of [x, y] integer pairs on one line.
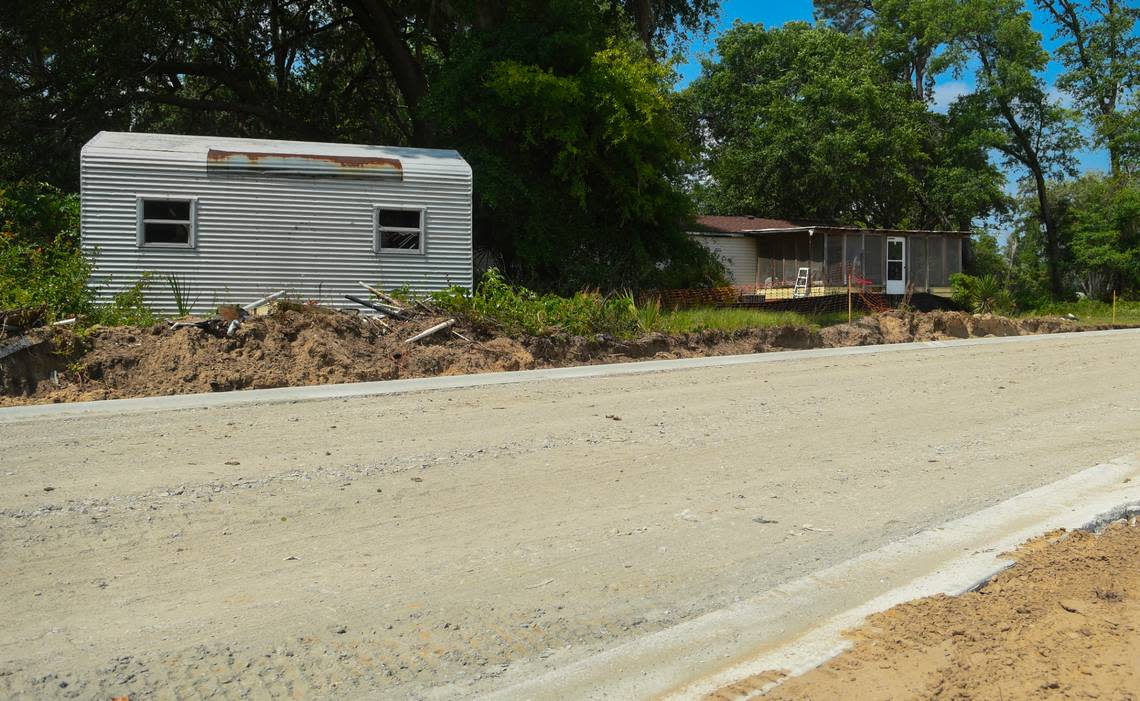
[[801, 289]]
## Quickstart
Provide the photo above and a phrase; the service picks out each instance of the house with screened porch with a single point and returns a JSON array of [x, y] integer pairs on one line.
[[768, 257]]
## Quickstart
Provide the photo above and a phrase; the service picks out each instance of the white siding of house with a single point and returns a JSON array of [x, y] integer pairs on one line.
[[737, 253], [256, 234]]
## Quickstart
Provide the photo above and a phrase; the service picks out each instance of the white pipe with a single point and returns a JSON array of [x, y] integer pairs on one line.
[[264, 300]]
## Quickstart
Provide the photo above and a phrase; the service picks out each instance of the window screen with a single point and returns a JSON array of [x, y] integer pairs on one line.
[[166, 222], [399, 230]]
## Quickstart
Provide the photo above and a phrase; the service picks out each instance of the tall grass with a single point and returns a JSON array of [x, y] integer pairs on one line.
[[728, 319], [1092, 312], [512, 309]]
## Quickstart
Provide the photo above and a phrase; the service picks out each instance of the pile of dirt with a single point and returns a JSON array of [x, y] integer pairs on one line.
[[904, 327], [306, 346], [1063, 622]]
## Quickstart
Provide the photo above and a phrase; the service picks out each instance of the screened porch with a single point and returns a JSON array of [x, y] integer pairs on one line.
[[925, 262]]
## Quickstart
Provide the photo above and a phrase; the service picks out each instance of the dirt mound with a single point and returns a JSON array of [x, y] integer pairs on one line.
[[1064, 622], [287, 348], [905, 327], [308, 346]]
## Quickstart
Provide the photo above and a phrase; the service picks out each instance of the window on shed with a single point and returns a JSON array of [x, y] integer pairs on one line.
[[166, 222], [399, 230]]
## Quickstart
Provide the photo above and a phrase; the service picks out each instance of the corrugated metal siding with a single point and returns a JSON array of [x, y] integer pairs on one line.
[[255, 235], [737, 254]]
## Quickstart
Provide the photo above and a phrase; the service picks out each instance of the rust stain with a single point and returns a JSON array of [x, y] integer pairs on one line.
[[350, 163]]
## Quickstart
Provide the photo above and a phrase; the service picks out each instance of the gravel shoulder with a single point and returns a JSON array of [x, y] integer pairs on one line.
[[433, 544]]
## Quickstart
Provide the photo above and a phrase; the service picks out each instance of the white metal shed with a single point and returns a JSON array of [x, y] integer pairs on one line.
[[234, 219]]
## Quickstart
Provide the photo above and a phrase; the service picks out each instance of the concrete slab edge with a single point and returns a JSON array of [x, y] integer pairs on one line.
[[686, 661], [281, 395], [1059, 507]]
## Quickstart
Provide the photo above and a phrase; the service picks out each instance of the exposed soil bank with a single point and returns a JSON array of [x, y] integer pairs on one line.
[[1062, 623], [307, 347]]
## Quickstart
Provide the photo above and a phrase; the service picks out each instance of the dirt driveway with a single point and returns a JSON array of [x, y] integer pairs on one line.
[[447, 543]]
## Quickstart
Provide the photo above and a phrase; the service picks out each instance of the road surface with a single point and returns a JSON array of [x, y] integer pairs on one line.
[[455, 542]]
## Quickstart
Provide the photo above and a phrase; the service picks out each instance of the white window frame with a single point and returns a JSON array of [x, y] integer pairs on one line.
[[140, 222], [377, 230]]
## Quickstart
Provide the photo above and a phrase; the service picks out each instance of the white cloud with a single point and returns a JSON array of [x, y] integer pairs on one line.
[[945, 93]]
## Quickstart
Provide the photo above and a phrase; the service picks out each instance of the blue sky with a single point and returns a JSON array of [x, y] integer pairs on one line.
[[773, 13]]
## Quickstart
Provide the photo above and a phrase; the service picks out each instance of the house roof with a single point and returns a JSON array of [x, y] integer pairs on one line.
[[716, 224], [741, 224]]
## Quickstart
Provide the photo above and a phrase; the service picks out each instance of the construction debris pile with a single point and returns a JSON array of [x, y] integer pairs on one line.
[[277, 342]]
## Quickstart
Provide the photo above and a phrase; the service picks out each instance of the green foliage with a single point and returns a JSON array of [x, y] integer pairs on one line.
[[1100, 51], [514, 310], [1099, 217], [180, 289], [51, 275], [988, 257], [577, 156], [38, 213], [127, 308], [42, 266], [981, 295], [1090, 311], [723, 319], [805, 123]]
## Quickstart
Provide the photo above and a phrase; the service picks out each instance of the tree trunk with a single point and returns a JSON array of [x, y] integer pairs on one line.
[[1052, 238], [382, 26]]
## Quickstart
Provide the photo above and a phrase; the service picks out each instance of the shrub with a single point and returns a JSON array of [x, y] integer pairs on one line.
[[51, 275], [42, 266], [981, 295], [515, 309]]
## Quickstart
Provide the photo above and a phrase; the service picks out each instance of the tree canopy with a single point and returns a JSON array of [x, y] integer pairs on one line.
[[562, 106], [805, 122]]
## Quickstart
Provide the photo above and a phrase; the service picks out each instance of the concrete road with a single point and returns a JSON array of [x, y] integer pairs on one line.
[[454, 542]]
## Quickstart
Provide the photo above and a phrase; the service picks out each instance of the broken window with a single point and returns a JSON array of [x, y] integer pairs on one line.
[[166, 222], [399, 230]]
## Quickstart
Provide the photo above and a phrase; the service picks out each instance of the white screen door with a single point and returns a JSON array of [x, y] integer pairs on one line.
[[896, 265]]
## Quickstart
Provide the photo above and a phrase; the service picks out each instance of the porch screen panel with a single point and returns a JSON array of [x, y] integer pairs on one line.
[[789, 273], [816, 248], [953, 257], [937, 261], [803, 254], [835, 259], [873, 258], [855, 257], [916, 270], [763, 261]]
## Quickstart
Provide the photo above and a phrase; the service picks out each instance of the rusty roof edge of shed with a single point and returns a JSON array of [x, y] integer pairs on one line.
[[300, 164]]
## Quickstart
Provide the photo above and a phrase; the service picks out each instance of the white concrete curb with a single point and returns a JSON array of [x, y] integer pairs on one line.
[[798, 625], [370, 389]]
